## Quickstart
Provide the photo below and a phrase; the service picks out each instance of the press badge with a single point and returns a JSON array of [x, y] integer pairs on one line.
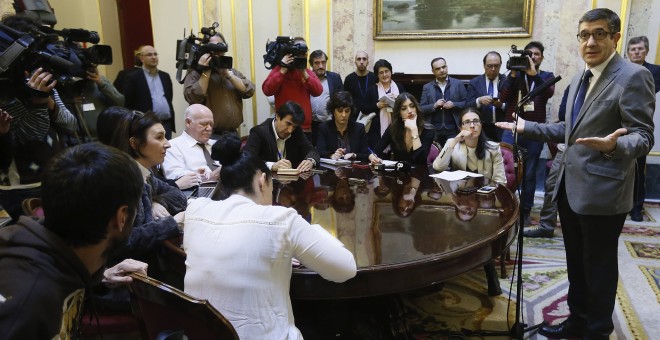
[[88, 107], [529, 107]]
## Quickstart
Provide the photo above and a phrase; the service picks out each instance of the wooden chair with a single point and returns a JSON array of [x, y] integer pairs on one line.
[[160, 307], [513, 173]]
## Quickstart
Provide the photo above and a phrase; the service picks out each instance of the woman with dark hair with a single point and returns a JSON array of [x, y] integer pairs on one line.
[[239, 250], [161, 208], [408, 138], [471, 150], [340, 137], [385, 87]]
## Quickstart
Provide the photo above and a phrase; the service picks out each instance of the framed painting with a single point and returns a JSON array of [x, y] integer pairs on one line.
[[452, 19]]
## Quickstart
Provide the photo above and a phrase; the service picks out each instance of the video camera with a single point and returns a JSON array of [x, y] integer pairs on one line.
[[520, 61], [190, 49], [22, 40], [276, 50]]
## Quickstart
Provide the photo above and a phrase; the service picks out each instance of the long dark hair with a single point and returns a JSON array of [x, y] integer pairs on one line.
[[397, 127], [482, 142], [116, 125], [238, 168]]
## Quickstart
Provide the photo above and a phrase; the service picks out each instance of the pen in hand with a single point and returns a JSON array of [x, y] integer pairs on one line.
[[374, 159]]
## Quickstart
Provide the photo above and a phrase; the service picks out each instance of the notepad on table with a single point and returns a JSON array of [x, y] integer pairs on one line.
[[335, 161], [288, 172]]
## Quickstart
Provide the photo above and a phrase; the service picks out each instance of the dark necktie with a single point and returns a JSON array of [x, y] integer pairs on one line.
[[490, 107], [207, 156], [582, 93]]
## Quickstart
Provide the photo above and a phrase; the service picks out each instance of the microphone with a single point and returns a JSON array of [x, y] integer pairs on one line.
[[401, 166], [536, 91]]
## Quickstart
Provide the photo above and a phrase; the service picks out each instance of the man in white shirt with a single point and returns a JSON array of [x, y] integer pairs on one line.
[[190, 153]]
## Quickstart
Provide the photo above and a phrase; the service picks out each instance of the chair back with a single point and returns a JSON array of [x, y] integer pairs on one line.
[[512, 173], [434, 151], [160, 307]]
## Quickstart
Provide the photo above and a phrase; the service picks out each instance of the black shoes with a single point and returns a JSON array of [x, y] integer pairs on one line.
[[538, 232], [564, 330], [636, 215]]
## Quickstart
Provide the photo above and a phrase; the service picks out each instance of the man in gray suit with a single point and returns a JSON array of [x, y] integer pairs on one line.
[[609, 123]]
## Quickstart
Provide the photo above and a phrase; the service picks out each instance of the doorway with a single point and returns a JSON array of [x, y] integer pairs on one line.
[[134, 28]]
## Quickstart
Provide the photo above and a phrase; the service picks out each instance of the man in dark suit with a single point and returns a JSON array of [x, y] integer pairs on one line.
[[121, 76], [517, 85], [609, 124], [482, 93], [331, 83], [442, 101], [638, 48], [151, 90], [281, 143]]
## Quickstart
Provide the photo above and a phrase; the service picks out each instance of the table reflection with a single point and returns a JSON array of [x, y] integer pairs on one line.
[[395, 220]]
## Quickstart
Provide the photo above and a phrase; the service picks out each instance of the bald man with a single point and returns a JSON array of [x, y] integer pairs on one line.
[[358, 82], [190, 153], [151, 90]]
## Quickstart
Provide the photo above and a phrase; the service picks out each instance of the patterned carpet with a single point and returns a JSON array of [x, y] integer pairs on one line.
[[463, 304]]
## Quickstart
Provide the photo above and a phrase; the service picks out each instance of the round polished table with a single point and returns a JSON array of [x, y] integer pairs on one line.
[[406, 231]]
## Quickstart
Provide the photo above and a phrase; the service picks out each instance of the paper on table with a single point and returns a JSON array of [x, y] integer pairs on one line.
[[335, 161], [388, 100], [387, 162], [455, 175]]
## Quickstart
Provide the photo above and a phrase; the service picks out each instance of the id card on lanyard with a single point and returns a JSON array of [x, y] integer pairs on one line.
[[529, 106]]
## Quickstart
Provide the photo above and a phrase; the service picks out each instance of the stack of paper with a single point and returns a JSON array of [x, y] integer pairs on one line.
[[455, 175], [335, 161], [388, 100], [288, 172]]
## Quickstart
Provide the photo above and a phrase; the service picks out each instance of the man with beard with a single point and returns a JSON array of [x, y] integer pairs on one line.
[[358, 82], [331, 83], [90, 193]]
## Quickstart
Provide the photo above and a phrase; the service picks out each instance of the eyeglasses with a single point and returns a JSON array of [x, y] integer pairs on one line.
[[136, 116], [469, 122], [493, 65], [598, 34]]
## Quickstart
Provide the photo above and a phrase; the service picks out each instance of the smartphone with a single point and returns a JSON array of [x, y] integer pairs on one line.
[[486, 190]]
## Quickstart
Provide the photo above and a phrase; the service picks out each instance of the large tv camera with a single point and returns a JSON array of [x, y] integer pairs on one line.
[[276, 50], [518, 59], [57, 52], [190, 49]]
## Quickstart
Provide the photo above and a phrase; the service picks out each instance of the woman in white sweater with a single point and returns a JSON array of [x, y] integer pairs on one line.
[[470, 150], [239, 250]]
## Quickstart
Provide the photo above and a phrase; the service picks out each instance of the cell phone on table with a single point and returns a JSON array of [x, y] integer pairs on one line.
[[486, 190]]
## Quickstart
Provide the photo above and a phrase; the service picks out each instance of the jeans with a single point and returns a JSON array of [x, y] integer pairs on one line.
[[531, 159]]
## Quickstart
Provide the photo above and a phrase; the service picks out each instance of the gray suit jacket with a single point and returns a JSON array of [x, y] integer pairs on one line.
[[622, 97]]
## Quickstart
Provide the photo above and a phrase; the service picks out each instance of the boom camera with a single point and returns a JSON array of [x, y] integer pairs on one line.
[[190, 49], [276, 50], [518, 59]]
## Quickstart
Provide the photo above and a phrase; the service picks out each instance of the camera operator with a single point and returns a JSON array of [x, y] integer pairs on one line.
[[30, 136], [517, 85], [220, 89], [290, 84], [97, 94]]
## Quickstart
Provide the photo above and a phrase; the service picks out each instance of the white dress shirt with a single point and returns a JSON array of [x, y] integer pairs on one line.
[[239, 258], [185, 156]]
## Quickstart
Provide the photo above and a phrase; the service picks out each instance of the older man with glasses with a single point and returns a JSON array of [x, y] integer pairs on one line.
[[483, 93]]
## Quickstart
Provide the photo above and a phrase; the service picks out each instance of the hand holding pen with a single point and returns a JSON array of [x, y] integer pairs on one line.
[[282, 163], [373, 158]]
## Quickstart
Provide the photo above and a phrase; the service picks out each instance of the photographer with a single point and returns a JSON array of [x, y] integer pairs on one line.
[[291, 84], [516, 86], [30, 137], [220, 89]]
